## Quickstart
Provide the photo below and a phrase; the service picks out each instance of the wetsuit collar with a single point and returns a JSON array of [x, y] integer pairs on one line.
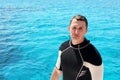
[[81, 45]]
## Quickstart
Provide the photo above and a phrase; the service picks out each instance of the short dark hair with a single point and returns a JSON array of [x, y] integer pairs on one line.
[[80, 18]]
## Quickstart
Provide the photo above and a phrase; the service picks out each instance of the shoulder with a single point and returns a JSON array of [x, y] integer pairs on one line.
[[64, 45], [95, 55], [93, 49]]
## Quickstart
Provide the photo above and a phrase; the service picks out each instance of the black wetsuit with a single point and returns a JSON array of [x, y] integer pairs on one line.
[[80, 62]]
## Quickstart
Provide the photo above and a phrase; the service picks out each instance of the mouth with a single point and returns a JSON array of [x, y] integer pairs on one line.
[[76, 36]]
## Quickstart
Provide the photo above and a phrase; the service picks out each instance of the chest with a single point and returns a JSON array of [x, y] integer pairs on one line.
[[71, 58]]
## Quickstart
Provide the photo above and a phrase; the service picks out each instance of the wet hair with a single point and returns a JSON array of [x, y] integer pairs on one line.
[[80, 18]]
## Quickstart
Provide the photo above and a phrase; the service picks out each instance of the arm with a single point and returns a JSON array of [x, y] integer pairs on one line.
[[97, 72], [56, 74]]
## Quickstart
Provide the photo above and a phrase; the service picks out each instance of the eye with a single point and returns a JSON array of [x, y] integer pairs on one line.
[[80, 28], [74, 28]]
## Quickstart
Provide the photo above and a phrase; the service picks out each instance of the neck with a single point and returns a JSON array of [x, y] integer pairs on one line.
[[75, 42]]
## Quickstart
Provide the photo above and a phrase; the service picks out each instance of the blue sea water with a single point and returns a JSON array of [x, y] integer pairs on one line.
[[31, 32]]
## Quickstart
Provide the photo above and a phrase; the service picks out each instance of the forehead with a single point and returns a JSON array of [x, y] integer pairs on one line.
[[78, 23]]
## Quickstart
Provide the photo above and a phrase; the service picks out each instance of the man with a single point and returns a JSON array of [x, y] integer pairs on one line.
[[78, 59]]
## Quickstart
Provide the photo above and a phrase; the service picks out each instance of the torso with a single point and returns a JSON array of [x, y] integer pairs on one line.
[[73, 58]]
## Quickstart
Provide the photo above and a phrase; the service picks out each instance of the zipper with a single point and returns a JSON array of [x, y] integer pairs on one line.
[[78, 75]]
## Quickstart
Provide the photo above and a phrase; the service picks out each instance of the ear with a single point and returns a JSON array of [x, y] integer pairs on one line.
[[86, 31], [68, 28]]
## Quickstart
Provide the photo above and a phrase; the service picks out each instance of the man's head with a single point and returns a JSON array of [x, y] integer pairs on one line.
[[80, 18], [78, 28]]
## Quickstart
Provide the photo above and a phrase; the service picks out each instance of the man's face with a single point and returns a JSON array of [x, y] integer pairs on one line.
[[77, 29]]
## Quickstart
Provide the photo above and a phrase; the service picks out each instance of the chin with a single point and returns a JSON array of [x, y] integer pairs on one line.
[[75, 38]]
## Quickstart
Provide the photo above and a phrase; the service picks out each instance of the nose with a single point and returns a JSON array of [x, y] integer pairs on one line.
[[76, 31]]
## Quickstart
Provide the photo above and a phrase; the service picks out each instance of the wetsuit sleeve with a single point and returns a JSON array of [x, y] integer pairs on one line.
[[58, 63], [95, 64], [96, 71], [62, 47]]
